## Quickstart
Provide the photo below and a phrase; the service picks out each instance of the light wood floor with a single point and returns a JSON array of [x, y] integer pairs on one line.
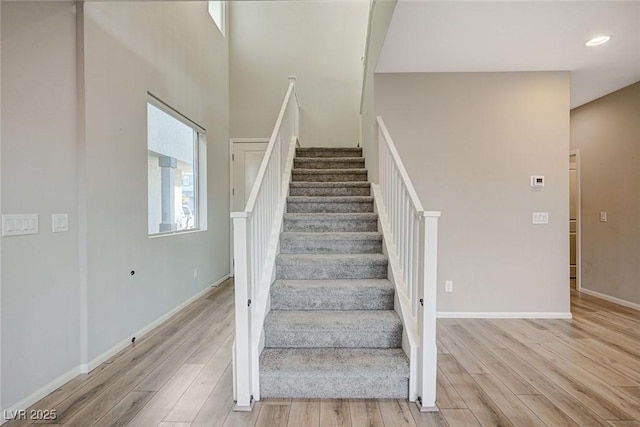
[[584, 372]]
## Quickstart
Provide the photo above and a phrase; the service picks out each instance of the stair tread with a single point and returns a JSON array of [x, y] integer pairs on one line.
[[332, 235], [329, 171], [330, 159], [339, 184], [334, 362], [330, 199], [343, 284], [332, 294], [319, 259], [342, 149], [332, 216], [353, 321]]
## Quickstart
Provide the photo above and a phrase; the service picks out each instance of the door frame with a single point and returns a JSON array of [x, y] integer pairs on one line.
[[231, 187], [576, 153]]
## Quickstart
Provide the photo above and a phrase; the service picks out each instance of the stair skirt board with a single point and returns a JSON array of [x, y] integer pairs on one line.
[[332, 331]]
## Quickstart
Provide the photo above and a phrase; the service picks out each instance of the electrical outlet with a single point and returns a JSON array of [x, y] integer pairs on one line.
[[603, 217], [448, 285], [195, 273]]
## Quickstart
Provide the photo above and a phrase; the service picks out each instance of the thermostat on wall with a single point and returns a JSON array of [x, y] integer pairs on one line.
[[537, 181]]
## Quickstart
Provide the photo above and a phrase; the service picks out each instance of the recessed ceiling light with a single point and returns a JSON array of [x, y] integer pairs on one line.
[[597, 41]]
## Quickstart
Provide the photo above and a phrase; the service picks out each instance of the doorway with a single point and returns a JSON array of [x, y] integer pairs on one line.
[[574, 220], [245, 159]]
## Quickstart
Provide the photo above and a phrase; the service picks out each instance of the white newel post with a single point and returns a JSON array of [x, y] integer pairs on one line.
[[428, 271], [241, 233]]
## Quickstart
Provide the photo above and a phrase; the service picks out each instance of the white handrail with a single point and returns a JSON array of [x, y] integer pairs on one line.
[[255, 235], [411, 240]]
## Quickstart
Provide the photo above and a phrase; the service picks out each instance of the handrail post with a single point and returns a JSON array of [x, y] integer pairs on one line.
[[296, 118], [428, 265], [241, 254]]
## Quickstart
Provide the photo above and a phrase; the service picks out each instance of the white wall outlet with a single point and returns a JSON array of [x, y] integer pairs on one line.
[[195, 273], [603, 217], [59, 223], [16, 225], [448, 285], [540, 218]]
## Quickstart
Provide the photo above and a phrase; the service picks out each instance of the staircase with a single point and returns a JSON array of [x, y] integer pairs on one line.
[[332, 331]]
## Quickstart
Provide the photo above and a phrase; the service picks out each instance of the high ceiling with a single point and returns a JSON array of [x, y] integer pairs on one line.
[[481, 36]]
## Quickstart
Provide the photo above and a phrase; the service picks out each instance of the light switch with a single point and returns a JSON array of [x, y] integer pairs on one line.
[[540, 218], [603, 217], [19, 224], [59, 223], [537, 181]]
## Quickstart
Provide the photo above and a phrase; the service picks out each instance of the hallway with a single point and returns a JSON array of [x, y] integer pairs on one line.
[[583, 372]]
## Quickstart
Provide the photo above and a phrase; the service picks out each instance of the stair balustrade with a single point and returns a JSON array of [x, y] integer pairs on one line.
[[256, 231], [411, 240]]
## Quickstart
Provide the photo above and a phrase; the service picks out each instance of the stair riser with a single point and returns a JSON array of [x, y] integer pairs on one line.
[[331, 271], [334, 388], [313, 207], [310, 246], [319, 299], [311, 163], [335, 177], [328, 152], [330, 191], [318, 226], [293, 338]]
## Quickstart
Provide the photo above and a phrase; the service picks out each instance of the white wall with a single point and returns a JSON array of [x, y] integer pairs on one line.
[[321, 43], [607, 134], [75, 142], [470, 143], [40, 295], [381, 14], [181, 57]]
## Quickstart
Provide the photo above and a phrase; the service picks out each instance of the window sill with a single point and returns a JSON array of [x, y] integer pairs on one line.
[[177, 233]]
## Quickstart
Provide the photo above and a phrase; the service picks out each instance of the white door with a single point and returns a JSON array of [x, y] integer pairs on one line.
[[246, 159]]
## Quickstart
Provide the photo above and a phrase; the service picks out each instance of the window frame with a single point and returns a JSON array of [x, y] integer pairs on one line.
[[199, 167]]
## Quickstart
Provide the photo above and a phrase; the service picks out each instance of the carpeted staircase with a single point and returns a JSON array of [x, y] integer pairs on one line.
[[332, 331]]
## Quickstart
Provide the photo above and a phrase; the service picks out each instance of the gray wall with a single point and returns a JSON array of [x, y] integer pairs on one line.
[[40, 296], [127, 54], [607, 134], [76, 143], [1, 405], [321, 43], [470, 143]]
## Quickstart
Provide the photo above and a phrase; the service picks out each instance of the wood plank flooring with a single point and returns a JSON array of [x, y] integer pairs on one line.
[[584, 372]]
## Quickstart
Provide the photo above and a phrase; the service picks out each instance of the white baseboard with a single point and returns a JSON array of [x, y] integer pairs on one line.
[[502, 315], [40, 393], [609, 298], [127, 341]]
